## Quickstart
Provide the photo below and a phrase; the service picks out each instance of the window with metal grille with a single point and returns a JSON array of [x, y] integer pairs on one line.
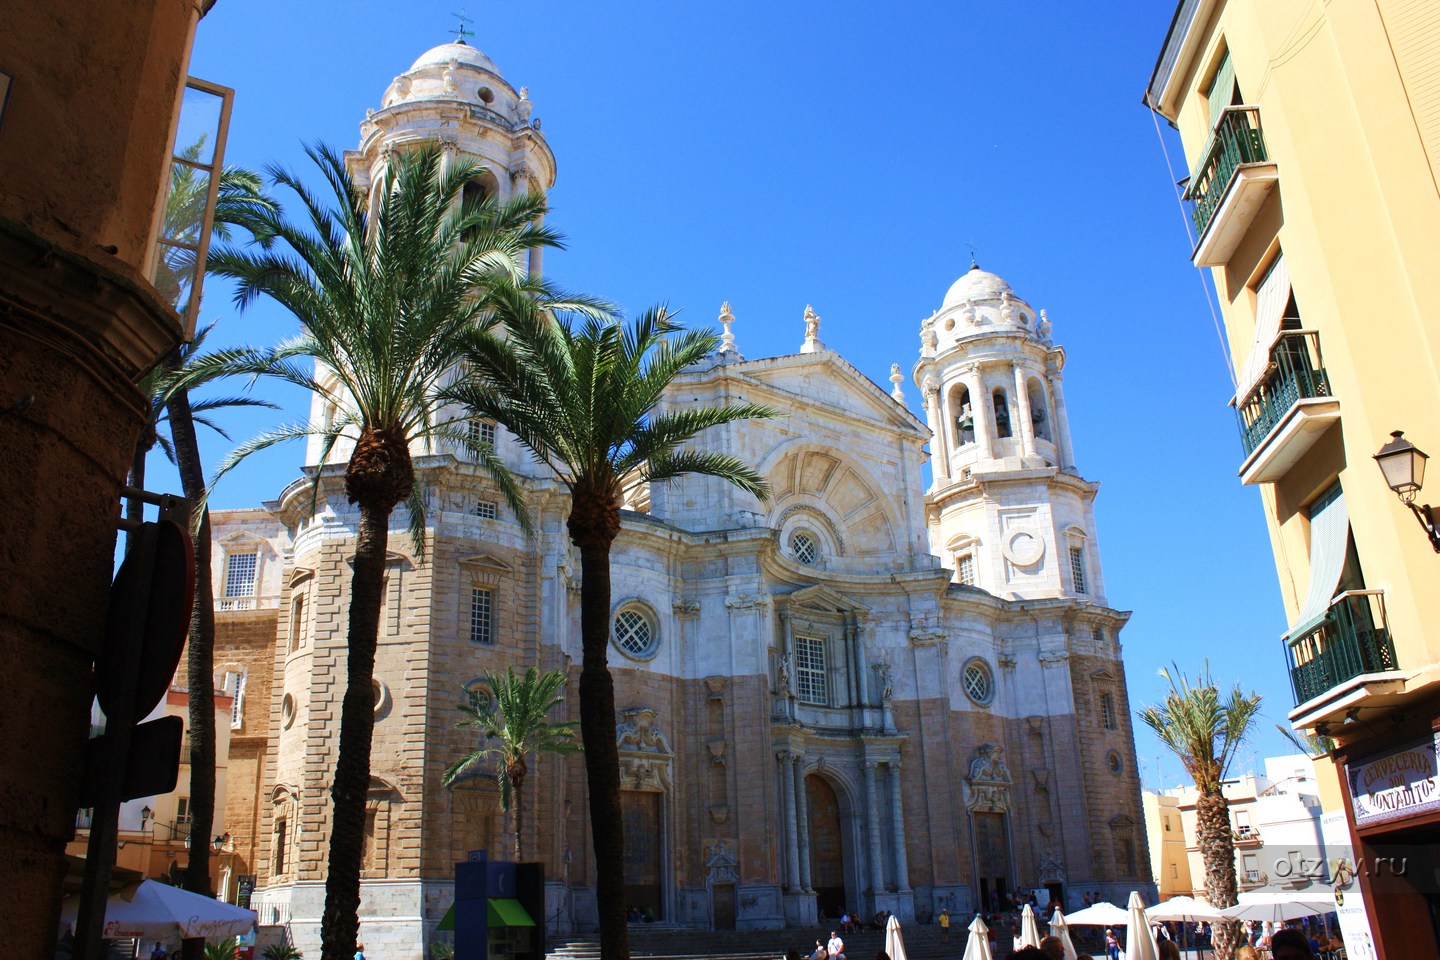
[[811, 684], [482, 612], [1077, 568], [978, 681], [634, 633], [965, 569], [240, 574], [1097, 633], [1107, 711], [486, 509], [804, 548], [482, 434]]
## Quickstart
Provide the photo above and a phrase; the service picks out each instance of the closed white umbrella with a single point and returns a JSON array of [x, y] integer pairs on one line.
[[1029, 929], [1101, 914], [1060, 927], [1139, 941], [894, 943], [977, 947], [158, 911]]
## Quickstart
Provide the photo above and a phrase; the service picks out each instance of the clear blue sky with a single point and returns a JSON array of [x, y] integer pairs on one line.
[[846, 155]]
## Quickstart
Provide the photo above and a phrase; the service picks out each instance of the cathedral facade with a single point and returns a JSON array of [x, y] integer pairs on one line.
[[863, 693]]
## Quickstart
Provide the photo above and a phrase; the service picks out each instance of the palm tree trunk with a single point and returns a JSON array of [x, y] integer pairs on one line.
[[593, 531], [517, 781], [341, 921], [1217, 849], [200, 660]]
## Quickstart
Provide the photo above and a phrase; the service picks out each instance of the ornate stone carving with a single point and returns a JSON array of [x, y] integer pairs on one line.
[[452, 87], [782, 673], [638, 733], [987, 789], [720, 863], [1042, 329], [686, 608], [1052, 868], [882, 676], [897, 378], [717, 752], [747, 601], [1057, 659], [925, 629], [523, 106]]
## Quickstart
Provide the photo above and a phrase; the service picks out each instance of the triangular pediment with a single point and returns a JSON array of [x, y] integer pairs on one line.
[[828, 380], [484, 561], [1103, 675], [823, 598]]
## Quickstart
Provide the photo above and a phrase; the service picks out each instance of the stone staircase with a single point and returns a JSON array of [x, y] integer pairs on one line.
[[671, 942]]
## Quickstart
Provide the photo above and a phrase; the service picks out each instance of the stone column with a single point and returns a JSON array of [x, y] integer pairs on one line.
[[857, 651], [940, 454], [984, 410], [897, 827], [792, 848], [872, 825], [1061, 427], [802, 812], [1026, 433]]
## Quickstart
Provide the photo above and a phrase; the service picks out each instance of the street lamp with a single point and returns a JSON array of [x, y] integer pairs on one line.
[[1403, 465]]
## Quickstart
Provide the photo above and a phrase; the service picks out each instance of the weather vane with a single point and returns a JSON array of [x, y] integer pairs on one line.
[[973, 261], [461, 33]]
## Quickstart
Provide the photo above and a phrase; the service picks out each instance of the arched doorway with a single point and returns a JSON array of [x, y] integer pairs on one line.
[[827, 847]]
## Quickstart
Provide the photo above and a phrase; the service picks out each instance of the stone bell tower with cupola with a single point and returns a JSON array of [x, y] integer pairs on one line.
[[454, 95], [1008, 510]]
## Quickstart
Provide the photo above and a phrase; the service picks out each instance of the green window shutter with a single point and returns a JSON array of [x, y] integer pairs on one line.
[[1222, 89]]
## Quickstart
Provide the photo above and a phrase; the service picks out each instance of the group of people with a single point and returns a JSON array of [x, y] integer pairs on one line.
[[1290, 943], [851, 922], [639, 915]]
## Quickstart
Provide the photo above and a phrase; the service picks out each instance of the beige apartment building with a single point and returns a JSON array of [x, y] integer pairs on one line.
[[1169, 860], [1312, 134]]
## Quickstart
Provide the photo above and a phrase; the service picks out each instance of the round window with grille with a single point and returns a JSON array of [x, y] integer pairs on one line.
[[804, 548], [1117, 766], [635, 634], [978, 681]]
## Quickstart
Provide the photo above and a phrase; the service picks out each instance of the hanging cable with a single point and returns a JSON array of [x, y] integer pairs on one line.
[[1211, 299]]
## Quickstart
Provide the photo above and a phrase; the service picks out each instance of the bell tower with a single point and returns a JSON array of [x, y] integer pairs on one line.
[[1008, 510]]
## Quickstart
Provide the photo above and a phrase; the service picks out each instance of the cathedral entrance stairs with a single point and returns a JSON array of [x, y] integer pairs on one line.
[[922, 942]]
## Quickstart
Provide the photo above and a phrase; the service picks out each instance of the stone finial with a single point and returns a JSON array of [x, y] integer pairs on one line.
[[1042, 329], [897, 378], [727, 339], [812, 342], [523, 106]]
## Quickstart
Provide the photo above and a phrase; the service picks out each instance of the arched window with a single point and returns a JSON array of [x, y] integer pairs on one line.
[[1002, 413], [297, 621], [1039, 408], [962, 416]]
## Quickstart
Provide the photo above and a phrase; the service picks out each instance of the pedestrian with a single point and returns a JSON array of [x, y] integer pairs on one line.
[[1112, 945], [359, 951], [944, 925], [836, 946], [1290, 944], [1053, 948], [820, 952], [1166, 950], [157, 952]]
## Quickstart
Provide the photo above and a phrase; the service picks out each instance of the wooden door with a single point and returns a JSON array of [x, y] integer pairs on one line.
[[643, 848]]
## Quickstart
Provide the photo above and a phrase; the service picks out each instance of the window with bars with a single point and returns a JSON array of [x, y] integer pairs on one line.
[[1077, 568], [811, 684], [634, 633], [804, 548], [1107, 712], [979, 682], [482, 434], [240, 574], [1097, 633], [486, 510], [965, 569], [235, 686], [482, 613]]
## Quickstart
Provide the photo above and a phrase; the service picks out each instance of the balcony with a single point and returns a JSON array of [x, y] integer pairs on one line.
[[1230, 184], [1353, 640], [1246, 837], [1285, 412]]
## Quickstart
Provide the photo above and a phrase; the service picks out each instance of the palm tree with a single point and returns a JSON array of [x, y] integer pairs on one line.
[[512, 725], [1313, 745], [582, 396], [1205, 731], [387, 302]]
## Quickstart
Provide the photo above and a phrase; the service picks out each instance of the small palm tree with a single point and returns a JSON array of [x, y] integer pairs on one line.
[[513, 725], [1205, 730], [582, 396], [387, 304]]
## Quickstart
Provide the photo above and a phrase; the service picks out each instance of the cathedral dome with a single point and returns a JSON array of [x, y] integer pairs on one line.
[[464, 53], [976, 284]]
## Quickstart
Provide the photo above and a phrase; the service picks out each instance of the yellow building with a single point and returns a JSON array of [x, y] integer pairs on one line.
[[1169, 858], [1312, 132]]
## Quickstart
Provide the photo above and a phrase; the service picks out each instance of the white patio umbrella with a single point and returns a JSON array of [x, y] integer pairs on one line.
[[1029, 929], [1139, 941], [1060, 927], [1277, 906], [1182, 909], [1101, 914], [977, 947], [158, 911], [894, 943]]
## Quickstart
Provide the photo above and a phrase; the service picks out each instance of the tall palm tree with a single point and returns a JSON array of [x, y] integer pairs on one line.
[[387, 302], [582, 394], [1205, 730], [512, 725]]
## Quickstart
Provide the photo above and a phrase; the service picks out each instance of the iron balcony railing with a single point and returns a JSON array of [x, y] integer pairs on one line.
[[1237, 140], [1296, 372], [1352, 640]]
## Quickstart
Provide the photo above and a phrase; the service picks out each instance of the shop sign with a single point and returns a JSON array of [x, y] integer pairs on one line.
[[1401, 783], [245, 888], [1349, 898]]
